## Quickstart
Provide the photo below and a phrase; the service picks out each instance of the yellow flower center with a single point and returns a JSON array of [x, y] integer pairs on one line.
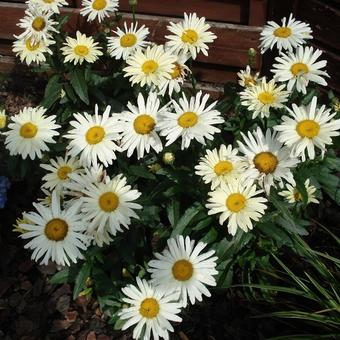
[[28, 130], [297, 196], [48, 1], [99, 4], [176, 71], [182, 270], [189, 36], [223, 167], [299, 69], [266, 98], [144, 124], [56, 229], [249, 81], [265, 162], [31, 46], [235, 202], [39, 23], [283, 32], [108, 201], [95, 135], [81, 50], [187, 119], [63, 172], [149, 308], [150, 66], [308, 128], [128, 40]]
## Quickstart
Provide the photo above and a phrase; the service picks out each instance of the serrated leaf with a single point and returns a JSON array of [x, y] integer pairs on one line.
[[140, 171], [173, 212]]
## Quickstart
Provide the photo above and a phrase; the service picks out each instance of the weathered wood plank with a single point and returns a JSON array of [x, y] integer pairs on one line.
[[215, 10], [230, 48]]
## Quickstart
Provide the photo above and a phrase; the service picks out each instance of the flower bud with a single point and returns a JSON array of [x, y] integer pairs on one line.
[[3, 119], [168, 158]]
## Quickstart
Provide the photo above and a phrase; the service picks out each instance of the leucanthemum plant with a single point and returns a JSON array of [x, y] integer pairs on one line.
[[154, 192]]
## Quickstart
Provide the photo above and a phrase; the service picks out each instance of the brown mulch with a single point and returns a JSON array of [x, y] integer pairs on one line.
[[33, 309]]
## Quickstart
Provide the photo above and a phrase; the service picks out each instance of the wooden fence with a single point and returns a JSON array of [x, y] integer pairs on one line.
[[237, 25]]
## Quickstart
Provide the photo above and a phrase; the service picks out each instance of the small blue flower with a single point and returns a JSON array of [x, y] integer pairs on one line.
[[4, 185]]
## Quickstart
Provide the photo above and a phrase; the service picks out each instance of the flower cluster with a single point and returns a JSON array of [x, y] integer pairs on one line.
[[90, 199]]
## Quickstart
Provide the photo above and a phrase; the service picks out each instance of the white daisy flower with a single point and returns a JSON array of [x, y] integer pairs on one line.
[[32, 52], [292, 194], [59, 172], [109, 206], [55, 233], [150, 66], [80, 49], [220, 165], [150, 311], [183, 267], [127, 41], [308, 127], [93, 137], [291, 34], [98, 9], [29, 132], [262, 97], [48, 5], [300, 68], [268, 160], [190, 36], [247, 78], [178, 75], [139, 126], [78, 181], [38, 24], [192, 120], [235, 202]]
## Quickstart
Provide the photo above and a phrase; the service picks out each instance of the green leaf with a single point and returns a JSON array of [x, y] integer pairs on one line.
[[173, 212], [52, 91], [140, 171], [210, 236], [60, 277], [185, 220], [79, 85], [81, 278]]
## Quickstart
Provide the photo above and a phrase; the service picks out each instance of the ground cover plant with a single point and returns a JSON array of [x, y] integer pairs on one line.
[[153, 194]]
